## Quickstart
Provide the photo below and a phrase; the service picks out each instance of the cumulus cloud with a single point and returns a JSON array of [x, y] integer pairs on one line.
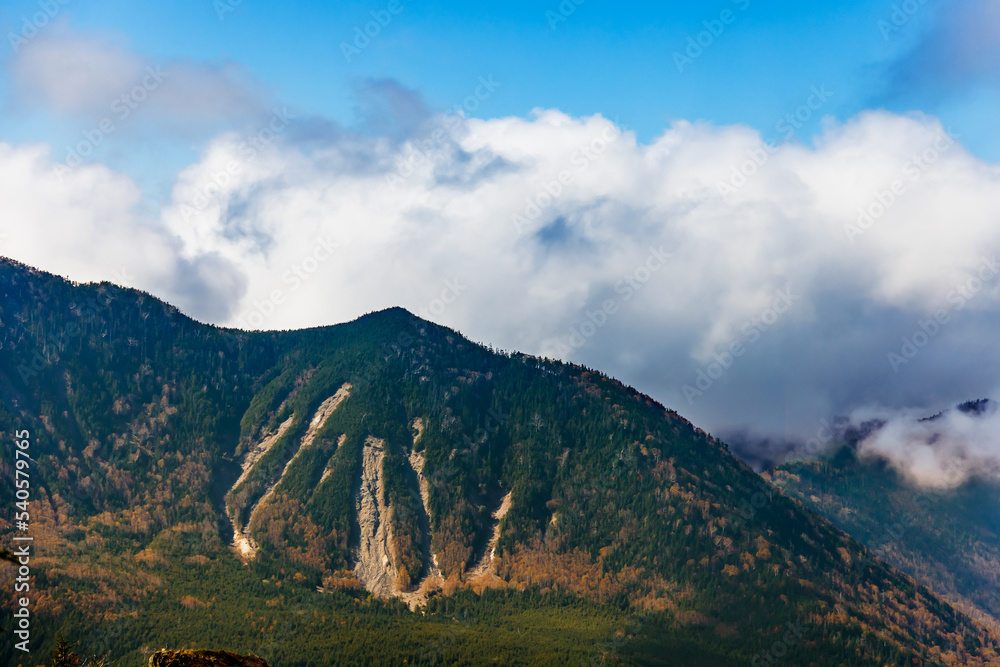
[[92, 76], [942, 451], [751, 287], [757, 289], [89, 224]]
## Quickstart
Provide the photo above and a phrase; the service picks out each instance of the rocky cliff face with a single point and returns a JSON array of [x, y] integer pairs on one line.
[[375, 568]]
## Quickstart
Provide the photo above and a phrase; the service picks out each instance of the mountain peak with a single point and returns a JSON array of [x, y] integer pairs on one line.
[[335, 477]]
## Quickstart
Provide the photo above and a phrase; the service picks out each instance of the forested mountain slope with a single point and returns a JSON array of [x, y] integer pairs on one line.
[[946, 538], [294, 494]]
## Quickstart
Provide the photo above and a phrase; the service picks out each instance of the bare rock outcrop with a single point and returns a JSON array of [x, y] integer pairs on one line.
[[374, 568], [245, 545], [485, 563], [417, 463]]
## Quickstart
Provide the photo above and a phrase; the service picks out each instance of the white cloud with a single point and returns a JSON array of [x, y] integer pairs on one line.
[[90, 76], [941, 452], [88, 224], [790, 226], [324, 228]]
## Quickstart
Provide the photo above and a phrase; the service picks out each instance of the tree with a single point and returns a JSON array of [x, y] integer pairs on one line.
[[62, 655]]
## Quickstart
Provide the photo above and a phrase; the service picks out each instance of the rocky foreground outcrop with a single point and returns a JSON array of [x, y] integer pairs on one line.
[[201, 658]]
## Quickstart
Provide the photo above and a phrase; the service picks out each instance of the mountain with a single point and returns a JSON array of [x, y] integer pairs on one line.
[[388, 492], [946, 538]]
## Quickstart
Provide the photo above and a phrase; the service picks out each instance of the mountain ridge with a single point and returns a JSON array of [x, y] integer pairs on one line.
[[947, 538], [615, 504]]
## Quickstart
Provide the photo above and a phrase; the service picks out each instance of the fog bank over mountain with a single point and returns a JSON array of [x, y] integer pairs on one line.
[[942, 451]]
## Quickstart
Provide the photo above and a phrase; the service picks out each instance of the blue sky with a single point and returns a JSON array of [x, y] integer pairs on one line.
[[241, 166], [617, 59]]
